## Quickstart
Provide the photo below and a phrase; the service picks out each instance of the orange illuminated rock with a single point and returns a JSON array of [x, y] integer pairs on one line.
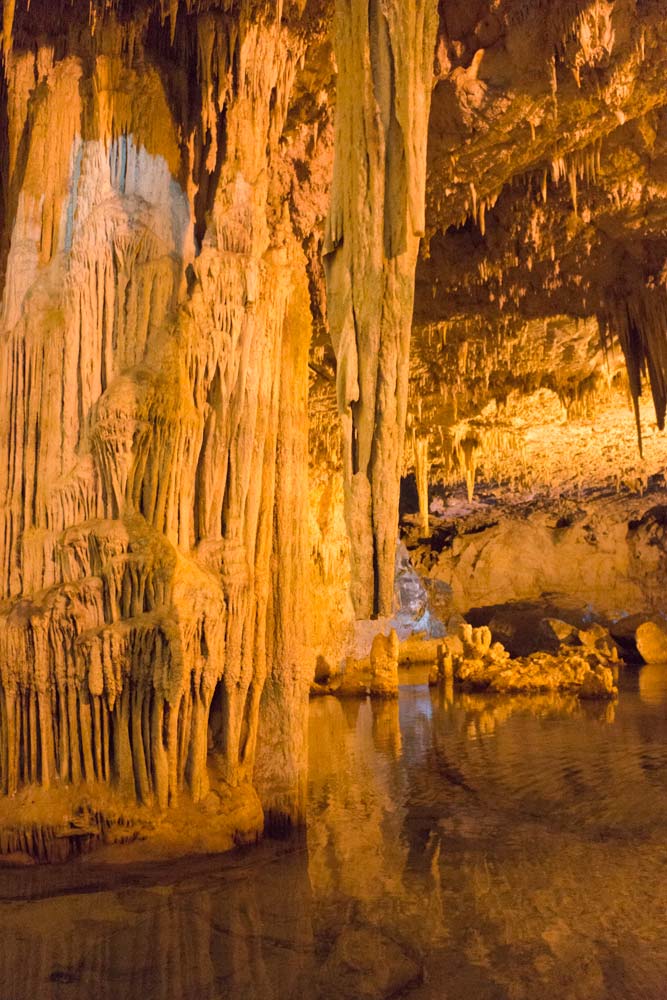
[[652, 642], [588, 669], [375, 674]]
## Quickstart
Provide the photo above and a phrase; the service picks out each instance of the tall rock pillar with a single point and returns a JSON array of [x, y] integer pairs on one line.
[[384, 50]]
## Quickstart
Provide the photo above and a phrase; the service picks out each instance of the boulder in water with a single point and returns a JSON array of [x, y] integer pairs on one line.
[[651, 641]]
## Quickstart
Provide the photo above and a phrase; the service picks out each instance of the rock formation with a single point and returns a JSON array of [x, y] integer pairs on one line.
[[375, 674], [651, 642], [154, 360], [385, 54], [216, 220], [586, 663]]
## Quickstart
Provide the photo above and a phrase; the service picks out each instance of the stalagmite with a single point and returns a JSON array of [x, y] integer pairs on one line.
[[384, 53]]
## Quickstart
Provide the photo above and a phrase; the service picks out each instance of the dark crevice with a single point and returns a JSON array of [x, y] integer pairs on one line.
[[217, 720]]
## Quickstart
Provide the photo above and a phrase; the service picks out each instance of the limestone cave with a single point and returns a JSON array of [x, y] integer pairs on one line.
[[333, 499]]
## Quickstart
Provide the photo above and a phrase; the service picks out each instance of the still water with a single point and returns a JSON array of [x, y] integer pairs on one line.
[[458, 848]]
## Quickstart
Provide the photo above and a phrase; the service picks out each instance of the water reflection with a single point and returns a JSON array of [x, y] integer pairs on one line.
[[458, 847], [516, 845], [205, 930], [653, 683]]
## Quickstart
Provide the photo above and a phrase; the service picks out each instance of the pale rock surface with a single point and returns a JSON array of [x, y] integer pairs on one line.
[[153, 362], [376, 219], [375, 674], [478, 663], [604, 552], [651, 641]]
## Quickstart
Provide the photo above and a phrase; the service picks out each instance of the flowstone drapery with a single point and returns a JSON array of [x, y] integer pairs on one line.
[[149, 269]]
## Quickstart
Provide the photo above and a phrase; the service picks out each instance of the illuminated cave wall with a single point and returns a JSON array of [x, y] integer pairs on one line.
[[209, 253], [153, 360]]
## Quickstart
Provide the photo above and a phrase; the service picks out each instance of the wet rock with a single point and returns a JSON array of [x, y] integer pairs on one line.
[[587, 669], [651, 641], [562, 630], [417, 649], [384, 665], [375, 674], [598, 683]]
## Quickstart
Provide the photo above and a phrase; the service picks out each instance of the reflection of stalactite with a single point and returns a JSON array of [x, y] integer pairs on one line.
[[173, 940]]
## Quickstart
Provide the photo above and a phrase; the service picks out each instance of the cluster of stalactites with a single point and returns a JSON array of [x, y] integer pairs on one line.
[[580, 32], [98, 10], [639, 320], [85, 696], [81, 722], [136, 399]]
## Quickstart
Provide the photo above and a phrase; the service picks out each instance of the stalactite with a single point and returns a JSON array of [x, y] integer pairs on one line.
[[638, 317], [420, 446], [385, 65], [466, 451]]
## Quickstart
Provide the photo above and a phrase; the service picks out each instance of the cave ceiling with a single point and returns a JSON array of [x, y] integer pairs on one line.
[[546, 191], [543, 263], [546, 201]]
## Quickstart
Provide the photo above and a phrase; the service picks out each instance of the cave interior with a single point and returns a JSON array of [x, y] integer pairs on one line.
[[333, 353]]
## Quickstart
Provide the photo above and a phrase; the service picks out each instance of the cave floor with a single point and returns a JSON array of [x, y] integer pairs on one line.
[[458, 847]]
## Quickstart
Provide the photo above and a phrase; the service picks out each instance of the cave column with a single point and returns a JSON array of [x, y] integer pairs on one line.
[[280, 765], [384, 50]]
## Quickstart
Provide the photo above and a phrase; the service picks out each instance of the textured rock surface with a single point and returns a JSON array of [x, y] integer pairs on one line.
[[210, 211], [652, 643], [375, 674], [154, 345], [385, 55], [603, 553], [585, 664]]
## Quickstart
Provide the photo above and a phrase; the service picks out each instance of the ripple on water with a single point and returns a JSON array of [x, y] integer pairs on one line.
[[459, 847]]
